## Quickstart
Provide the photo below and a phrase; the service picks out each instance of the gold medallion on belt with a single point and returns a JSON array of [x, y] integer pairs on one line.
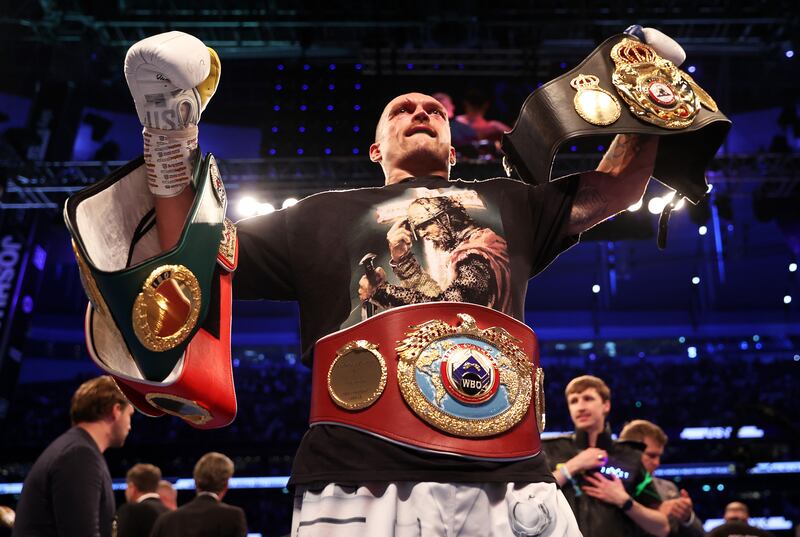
[[167, 308], [653, 87]]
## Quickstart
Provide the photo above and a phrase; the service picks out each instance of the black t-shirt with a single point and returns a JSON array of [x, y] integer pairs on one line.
[[493, 236], [596, 518]]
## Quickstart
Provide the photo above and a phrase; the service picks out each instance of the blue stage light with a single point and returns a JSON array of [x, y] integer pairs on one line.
[[356, 128], [691, 352], [409, 66], [299, 150], [787, 299], [301, 129], [330, 107], [692, 69], [274, 129], [563, 65], [276, 107], [601, 148], [332, 67], [303, 108], [702, 230], [272, 151], [357, 107], [358, 66], [306, 67], [355, 151], [595, 289], [304, 87], [789, 54], [792, 267], [573, 148], [280, 67], [327, 150], [328, 129], [681, 339], [331, 87], [357, 86], [278, 87], [695, 280]]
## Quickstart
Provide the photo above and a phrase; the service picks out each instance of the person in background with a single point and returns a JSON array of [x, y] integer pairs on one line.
[[168, 494], [461, 134], [475, 105], [135, 518], [736, 523], [68, 490], [206, 515], [604, 481], [675, 504]]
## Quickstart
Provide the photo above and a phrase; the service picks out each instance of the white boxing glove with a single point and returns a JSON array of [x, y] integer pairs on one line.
[[664, 45], [168, 75], [172, 76]]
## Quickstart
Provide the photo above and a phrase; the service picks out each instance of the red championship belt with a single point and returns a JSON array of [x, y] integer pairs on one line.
[[443, 376]]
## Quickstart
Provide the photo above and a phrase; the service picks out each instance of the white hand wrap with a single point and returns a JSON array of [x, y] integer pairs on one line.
[[169, 156]]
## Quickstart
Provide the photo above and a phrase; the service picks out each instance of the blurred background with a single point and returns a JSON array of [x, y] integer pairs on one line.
[[702, 338]]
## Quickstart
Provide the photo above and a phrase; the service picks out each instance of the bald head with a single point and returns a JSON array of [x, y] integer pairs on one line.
[[412, 138], [736, 511]]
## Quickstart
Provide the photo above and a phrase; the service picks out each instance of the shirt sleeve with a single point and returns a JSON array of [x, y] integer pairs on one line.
[[550, 207], [77, 486], [264, 270]]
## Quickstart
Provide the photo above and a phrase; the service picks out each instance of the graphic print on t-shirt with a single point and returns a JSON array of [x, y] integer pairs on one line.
[[435, 245]]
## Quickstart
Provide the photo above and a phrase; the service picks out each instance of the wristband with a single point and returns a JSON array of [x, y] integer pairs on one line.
[[170, 157], [561, 467], [628, 505]]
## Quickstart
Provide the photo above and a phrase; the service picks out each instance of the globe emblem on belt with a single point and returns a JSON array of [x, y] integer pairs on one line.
[[469, 374]]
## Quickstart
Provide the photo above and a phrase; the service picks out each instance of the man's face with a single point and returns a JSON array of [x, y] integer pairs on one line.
[[588, 410], [651, 458], [121, 425], [131, 492], [736, 511], [413, 129]]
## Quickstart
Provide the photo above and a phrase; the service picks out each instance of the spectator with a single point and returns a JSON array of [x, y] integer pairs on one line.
[[206, 515], [168, 494], [676, 505], [143, 505], [68, 490], [736, 523], [604, 481], [476, 104]]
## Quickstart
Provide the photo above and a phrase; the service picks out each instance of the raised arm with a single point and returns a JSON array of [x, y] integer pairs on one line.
[[172, 76], [618, 182]]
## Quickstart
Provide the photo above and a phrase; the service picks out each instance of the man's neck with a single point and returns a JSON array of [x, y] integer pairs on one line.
[[98, 432], [395, 175], [593, 433], [146, 496]]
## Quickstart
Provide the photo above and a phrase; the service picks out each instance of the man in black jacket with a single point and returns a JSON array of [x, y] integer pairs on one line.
[[604, 481], [206, 515], [68, 490], [135, 518]]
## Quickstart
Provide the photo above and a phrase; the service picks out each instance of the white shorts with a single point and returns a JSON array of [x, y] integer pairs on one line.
[[405, 509]]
